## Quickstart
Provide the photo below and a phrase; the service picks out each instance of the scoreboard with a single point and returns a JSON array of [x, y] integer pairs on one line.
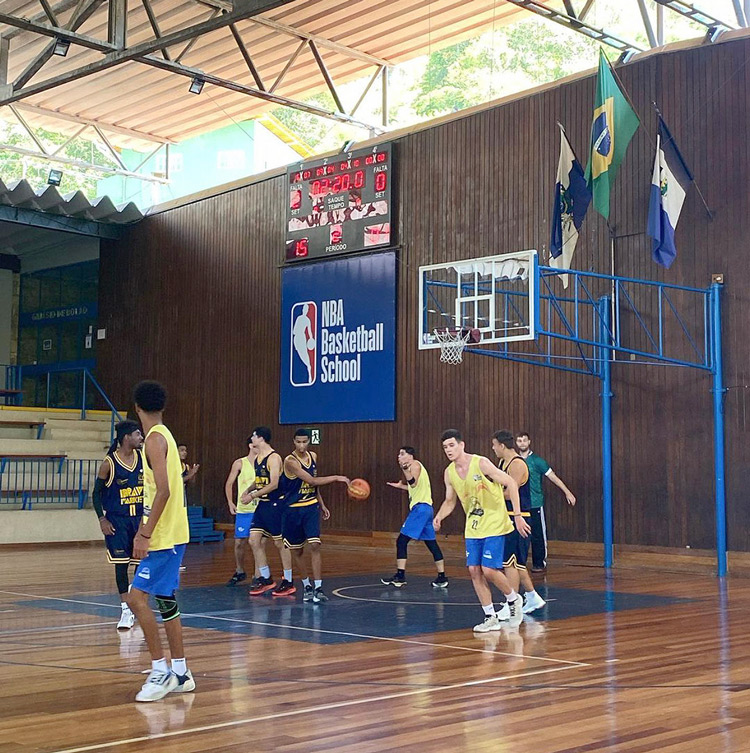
[[339, 204]]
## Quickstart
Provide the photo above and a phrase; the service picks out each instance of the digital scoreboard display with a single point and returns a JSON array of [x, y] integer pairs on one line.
[[339, 204]]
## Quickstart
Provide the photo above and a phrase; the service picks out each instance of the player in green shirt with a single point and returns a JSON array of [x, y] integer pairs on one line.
[[538, 468]]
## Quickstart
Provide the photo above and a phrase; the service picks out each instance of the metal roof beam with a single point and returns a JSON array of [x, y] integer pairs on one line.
[[245, 9], [576, 24], [694, 13], [647, 23], [59, 8], [293, 31]]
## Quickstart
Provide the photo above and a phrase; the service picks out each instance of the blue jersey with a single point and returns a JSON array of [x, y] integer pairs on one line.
[[298, 493], [123, 493], [263, 478]]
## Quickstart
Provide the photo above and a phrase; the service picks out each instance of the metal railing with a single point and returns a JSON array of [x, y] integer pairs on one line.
[[51, 480]]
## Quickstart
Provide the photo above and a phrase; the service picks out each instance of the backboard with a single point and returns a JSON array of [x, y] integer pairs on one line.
[[496, 295]]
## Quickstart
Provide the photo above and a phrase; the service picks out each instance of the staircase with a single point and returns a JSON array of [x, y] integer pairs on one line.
[[202, 528]]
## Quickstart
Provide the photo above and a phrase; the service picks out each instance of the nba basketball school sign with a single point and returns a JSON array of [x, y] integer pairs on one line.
[[338, 344]]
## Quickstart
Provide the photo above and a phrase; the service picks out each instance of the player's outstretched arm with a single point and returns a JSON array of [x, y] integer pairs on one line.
[[557, 481], [448, 505], [294, 468], [229, 484]]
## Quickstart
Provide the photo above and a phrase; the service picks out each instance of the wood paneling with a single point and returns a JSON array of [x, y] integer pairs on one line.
[[191, 297]]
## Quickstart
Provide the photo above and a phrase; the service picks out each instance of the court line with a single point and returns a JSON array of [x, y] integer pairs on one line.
[[385, 638], [310, 710], [337, 592], [319, 630], [49, 628]]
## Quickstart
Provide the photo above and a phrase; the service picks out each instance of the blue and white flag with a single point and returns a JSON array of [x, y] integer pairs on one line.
[[669, 183], [572, 199]]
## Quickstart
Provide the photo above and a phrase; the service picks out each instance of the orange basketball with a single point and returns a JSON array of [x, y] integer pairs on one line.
[[358, 489]]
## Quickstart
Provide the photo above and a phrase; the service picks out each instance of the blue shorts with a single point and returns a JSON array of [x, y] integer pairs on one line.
[[159, 572], [516, 550], [487, 552], [243, 522], [301, 525], [418, 523], [120, 543], [267, 519]]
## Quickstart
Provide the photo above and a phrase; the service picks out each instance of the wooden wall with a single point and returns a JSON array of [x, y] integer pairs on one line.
[[191, 297]]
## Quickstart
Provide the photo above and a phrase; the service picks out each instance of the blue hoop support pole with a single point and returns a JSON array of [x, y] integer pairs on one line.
[[605, 318], [718, 391]]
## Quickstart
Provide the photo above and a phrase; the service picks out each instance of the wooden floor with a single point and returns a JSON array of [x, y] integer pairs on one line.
[[670, 675]]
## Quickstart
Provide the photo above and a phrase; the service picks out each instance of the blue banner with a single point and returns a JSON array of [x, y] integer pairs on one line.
[[338, 341]]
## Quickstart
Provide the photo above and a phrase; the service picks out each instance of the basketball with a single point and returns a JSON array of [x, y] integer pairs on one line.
[[358, 489]]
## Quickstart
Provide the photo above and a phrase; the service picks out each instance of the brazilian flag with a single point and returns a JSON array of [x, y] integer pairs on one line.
[[613, 126]]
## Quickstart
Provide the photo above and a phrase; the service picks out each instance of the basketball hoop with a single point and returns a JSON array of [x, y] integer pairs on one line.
[[452, 344]]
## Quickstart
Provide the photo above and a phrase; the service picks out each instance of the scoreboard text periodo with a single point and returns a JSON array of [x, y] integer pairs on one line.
[[339, 204]]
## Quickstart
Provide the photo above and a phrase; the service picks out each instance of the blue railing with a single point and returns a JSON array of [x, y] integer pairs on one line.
[[50, 480]]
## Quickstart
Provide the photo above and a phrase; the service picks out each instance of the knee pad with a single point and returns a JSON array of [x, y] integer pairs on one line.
[[167, 607]]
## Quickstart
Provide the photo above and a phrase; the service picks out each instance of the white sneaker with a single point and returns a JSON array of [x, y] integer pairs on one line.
[[127, 620], [532, 603], [185, 683], [489, 624], [516, 614], [157, 686], [503, 613]]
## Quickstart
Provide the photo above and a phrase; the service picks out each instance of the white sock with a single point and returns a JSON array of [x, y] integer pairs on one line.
[[288, 575], [159, 665], [179, 667], [318, 584], [512, 596], [124, 606], [489, 610], [530, 593], [265, 572], [306, 582]]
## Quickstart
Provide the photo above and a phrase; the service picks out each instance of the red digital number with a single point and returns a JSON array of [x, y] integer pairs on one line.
[[301, 249], [359, 179], [381, 157], [381, 181], [336, 186], [346, 181], [306, 174], [370, 160], [357, 162]]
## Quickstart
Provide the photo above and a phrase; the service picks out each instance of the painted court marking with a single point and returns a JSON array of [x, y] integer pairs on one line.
[[330, 632], [337, 592], [313, 709]]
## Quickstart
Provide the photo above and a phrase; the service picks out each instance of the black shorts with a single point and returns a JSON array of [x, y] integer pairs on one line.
[[516, 550], [120, 543], [267, 519], [301, 525]]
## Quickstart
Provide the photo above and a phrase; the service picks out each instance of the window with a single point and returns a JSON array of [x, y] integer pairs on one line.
[[230, 159]]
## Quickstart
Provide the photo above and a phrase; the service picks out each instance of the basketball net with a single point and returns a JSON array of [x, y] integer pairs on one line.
[[452, 345]]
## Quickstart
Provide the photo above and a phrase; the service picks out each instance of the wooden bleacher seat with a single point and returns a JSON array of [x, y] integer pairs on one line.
[[12, 422]]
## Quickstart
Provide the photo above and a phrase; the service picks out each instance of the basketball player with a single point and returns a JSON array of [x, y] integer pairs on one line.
[[160, 544], [517, 546], [304, 506], [303, 337], [188, 471], [538, 468], [118, 501], [470, 478], [418, 523], [243, 470], [265, 491]]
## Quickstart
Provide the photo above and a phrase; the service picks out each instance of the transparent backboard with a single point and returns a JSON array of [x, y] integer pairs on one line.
[[496, 295]]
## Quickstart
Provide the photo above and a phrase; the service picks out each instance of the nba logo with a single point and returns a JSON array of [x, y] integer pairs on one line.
[[303, 366]]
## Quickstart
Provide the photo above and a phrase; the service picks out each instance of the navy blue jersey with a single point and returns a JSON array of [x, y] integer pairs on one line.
[[263, 478], [524, 489], [298, 493], [123, 493]]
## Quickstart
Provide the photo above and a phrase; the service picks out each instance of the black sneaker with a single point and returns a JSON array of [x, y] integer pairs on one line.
[[440, 582], [285, 588], [308, 594], [319, 595], [237, 578], [395, 580]]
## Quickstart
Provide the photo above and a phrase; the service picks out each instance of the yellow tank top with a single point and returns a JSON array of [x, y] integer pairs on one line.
[[483, 502], [421, 491], [244, 480], [172, 527]]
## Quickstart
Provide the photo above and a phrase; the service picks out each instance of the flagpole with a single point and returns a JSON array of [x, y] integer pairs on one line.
[[613, 320], [693, 181]]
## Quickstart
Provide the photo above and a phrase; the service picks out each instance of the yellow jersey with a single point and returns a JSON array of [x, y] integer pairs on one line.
[[244, 480], [483, 502], [172, 527], [422, 490]]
